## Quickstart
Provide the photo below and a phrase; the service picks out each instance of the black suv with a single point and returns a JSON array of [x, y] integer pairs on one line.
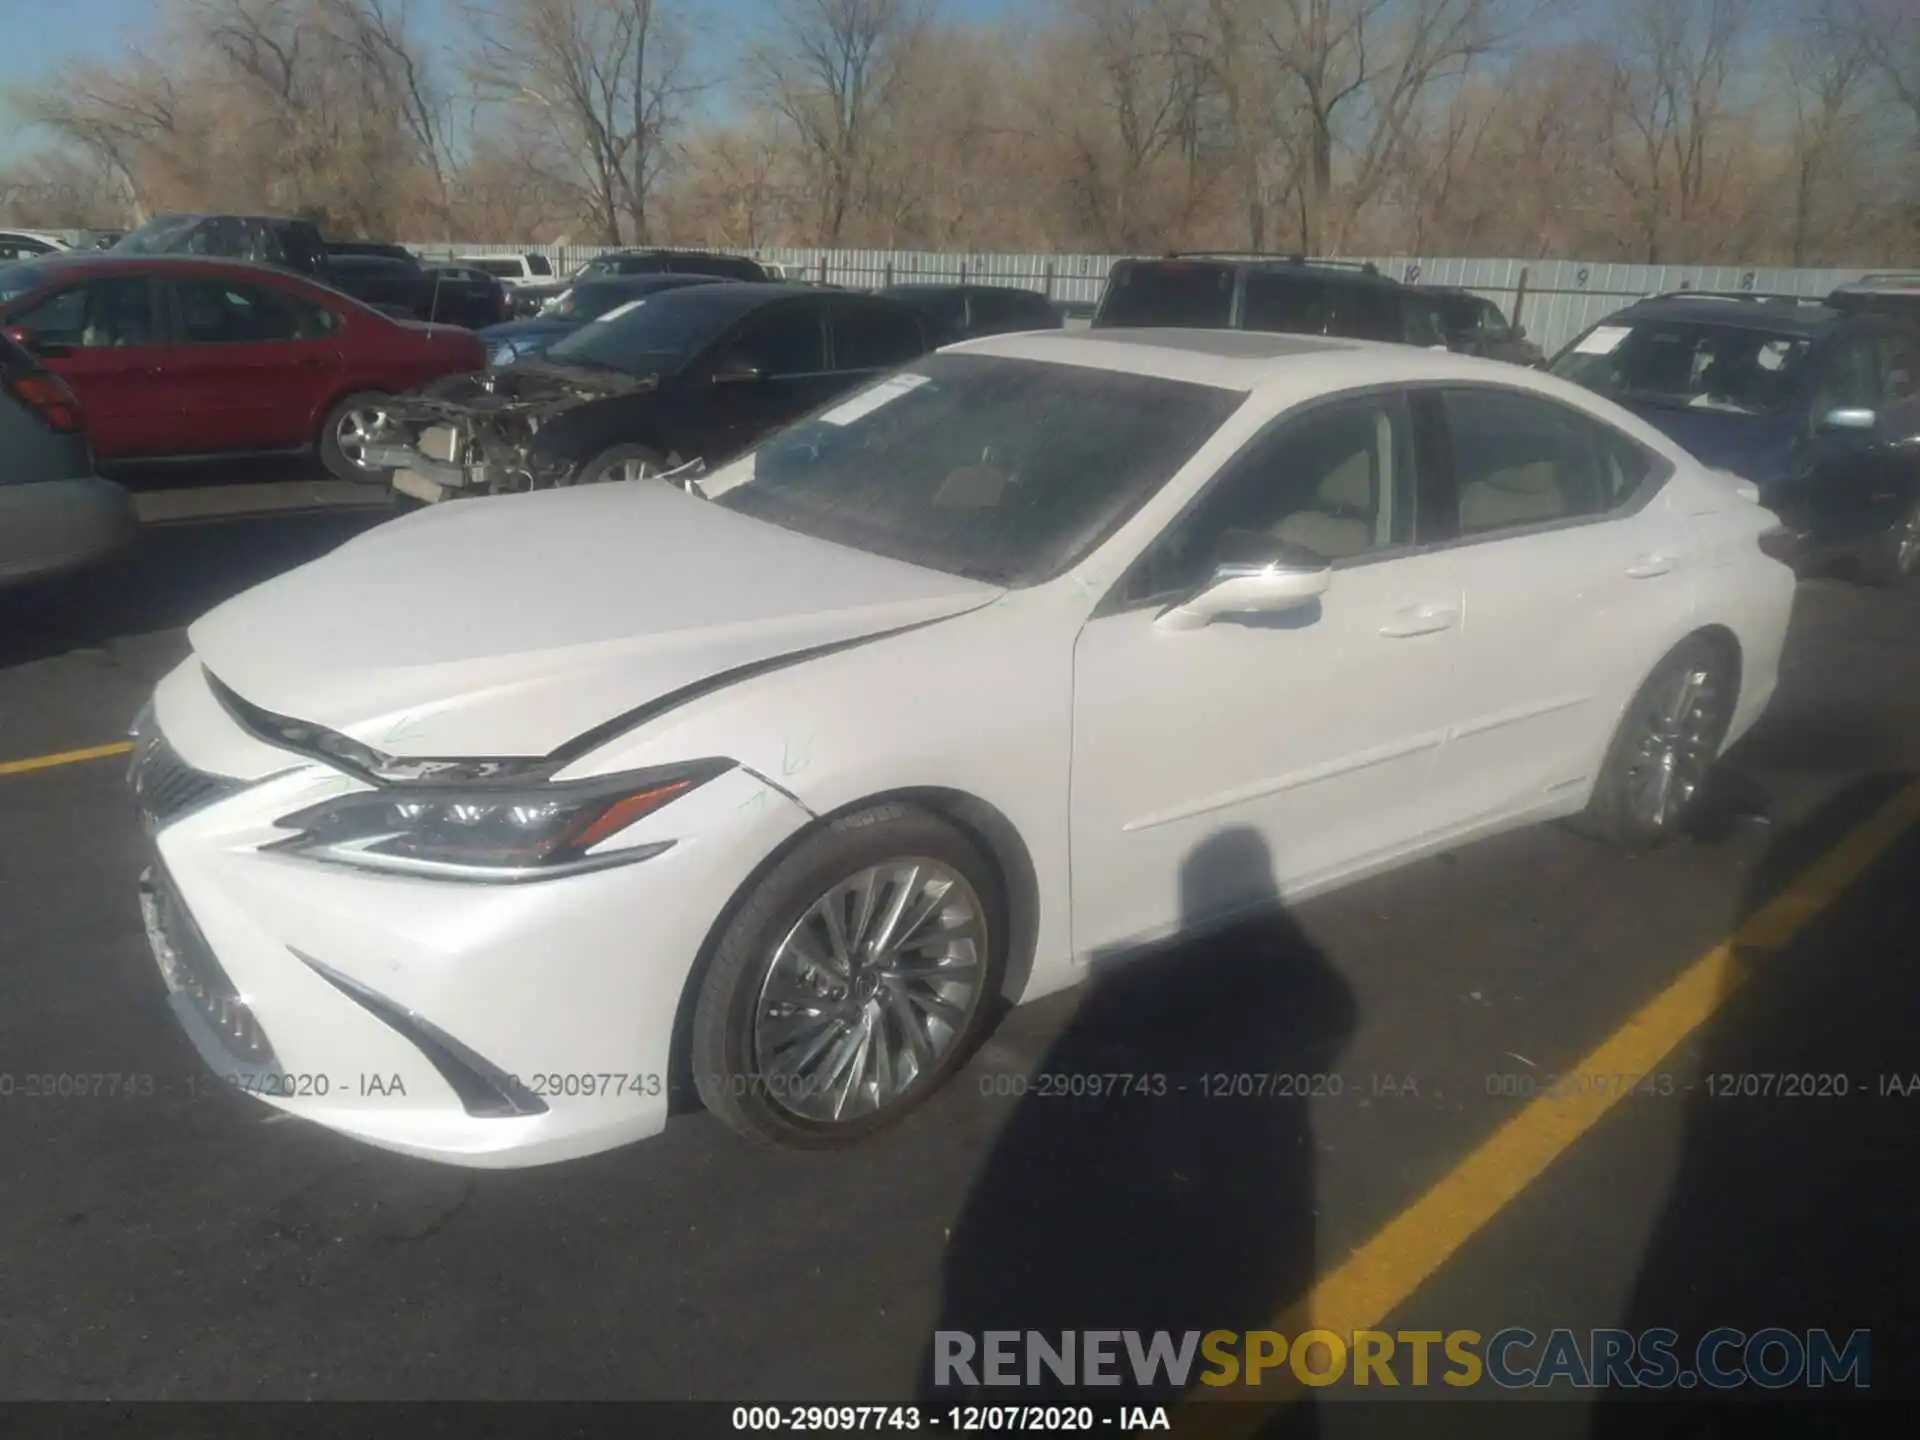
[[1291, 295], [1895, 295], [966, 312], [1818, 407]]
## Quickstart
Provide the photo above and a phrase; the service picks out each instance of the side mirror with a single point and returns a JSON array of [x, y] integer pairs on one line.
[[1256, 574], [735, 371], [1849, 417]]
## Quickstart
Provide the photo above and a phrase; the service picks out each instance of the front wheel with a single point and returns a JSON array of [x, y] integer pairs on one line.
[[624, 462], [852, 982], [1668, 740]]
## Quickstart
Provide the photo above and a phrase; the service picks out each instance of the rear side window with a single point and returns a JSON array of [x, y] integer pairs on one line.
[[1899, 368], [217, 312], [1520, 462], [1373, 312], [1175, 293], [539, 265], [1287, 304], [875, 337]]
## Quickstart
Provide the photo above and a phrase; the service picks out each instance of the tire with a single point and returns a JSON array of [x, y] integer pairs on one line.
[[765, 1065], [1894, 557], [640, 461], [336, 449], [1676, 723]]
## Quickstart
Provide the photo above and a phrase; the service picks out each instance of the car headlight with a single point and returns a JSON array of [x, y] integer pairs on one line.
[[495, 832]]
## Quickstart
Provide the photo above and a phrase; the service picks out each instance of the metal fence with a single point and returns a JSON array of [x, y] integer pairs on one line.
[[1554, 299]]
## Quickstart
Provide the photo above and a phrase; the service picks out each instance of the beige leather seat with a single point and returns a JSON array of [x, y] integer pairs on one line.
[[1520, 495], [1332, 530]]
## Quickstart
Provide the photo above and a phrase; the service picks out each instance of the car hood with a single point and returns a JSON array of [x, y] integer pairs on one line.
[[508, 626], [527, 329], [1754, 447]]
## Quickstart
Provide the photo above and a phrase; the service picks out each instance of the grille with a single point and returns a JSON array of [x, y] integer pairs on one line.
[[192, 974], [165, 787]]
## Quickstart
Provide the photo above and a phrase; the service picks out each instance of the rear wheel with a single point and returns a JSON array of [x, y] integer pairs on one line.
[[854, 980], [1668, 740], [351, 426]]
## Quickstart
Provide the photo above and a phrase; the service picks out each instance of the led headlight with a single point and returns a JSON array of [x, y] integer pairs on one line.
[[503, 831]]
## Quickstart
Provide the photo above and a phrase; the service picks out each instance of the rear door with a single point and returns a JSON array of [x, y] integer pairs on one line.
[[1846, 500], [104, 338], [1896, 487], [1576, 579], [258, 361]]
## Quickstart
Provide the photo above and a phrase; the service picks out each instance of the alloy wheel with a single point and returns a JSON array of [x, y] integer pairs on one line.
[[1677, 735], [356, 430], [870, 989]]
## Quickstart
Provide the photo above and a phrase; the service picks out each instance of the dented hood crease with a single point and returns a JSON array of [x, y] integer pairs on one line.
[[510, 626]]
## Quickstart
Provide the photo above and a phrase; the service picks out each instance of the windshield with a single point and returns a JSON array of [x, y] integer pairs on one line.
[[17, 280], [1001, 470], [1200, 296], [650, 336], [159, 236], [586, 302], [1690, 365]]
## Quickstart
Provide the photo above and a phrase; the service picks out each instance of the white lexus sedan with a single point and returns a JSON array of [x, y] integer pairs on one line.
[[484, 835]]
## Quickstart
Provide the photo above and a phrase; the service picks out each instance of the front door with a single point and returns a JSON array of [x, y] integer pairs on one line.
[[1315, 728], [772, 372], [102, 337], [261, 363]]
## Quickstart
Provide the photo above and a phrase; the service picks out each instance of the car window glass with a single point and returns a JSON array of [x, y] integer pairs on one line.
[[1850, 377], [1168, 293], [1899, 368], [101, 314], [539, 265], [1372, 312], [1287, 304], [221, 312], [874, 337], [1337, 481], [791, 342], [1519, 461]]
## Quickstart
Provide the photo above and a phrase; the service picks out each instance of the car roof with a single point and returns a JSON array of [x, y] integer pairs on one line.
[[1359, 272], [1779, 315], [1240, 359], [934, 287]]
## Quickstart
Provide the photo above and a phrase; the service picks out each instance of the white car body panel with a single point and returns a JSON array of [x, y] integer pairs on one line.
[[1098, 752]]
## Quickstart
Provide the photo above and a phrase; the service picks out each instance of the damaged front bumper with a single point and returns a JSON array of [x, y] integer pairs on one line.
[[474, 434]]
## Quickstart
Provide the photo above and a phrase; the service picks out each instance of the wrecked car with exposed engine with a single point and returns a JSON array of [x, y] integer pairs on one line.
[[682, 376]]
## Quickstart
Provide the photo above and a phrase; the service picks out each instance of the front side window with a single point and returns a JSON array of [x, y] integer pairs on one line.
[[1002, 470], [539, 265], [1518, 462], [1688, 365], [1337, 481], [1850, 378], [1899, 368], [101, 314], [1286, 304], [790, 341]]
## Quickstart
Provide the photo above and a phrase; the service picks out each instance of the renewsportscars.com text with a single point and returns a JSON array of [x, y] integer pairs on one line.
[[1720, 1359]]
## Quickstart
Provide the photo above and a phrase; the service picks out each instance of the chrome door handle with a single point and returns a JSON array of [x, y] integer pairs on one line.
[[1420, 620], [1648, 566]]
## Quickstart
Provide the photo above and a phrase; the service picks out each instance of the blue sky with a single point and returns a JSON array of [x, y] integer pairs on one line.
[[36, 34]]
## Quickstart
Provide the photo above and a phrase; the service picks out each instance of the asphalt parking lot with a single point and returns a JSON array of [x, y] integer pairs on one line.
[[193, 1243]]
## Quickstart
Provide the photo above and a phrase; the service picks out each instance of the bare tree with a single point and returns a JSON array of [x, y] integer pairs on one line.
[[612, 82], [831, 69]]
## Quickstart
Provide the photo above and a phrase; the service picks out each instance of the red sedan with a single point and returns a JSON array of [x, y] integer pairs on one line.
[[180, 358]]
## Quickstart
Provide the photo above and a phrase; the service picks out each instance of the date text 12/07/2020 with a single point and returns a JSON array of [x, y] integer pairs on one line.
[[951, 1420], [1213, 1085]]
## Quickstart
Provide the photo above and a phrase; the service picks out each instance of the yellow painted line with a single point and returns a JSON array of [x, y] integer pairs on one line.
[[64, 757], [1378, 1277]]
